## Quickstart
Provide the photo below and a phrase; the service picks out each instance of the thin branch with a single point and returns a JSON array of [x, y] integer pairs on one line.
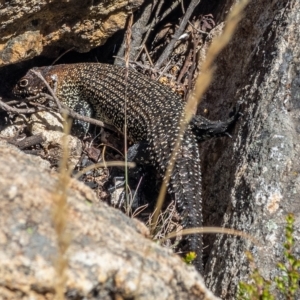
[[77, 116], [149, 28], [127, 54], [4, 106], [185, 67], [104, 165], [152, 69], [169, 10], [218, 230], [177, 34], [71, 113], [198, 30], [64, 109], [196, 40], [58, 58], [148, 55], [27, 142], [157, 19], [39, 75], [138, 30]]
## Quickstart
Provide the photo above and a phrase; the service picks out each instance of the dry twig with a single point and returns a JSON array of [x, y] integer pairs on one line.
[[177, 34]]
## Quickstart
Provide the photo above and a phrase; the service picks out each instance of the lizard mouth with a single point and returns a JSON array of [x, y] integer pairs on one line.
[[36, 96], [25, 93]]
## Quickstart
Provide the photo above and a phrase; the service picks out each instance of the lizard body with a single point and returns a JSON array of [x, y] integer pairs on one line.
[[153, 115]]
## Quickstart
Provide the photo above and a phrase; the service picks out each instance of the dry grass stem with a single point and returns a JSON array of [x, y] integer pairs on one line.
[[104, 165], [60, 56], [139, 210], [112, 147], [164, 222], [103, 156], [220, 230], [127, 54], [129, 209], [60, 217], [205, 77], [202, 83]]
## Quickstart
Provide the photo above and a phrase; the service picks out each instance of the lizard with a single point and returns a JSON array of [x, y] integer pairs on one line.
[[153, 112]]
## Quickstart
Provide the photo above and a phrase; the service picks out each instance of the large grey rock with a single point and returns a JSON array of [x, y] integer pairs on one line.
[[108, 257]]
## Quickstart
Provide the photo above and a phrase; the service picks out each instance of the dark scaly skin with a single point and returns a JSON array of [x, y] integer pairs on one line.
[[153, 115]]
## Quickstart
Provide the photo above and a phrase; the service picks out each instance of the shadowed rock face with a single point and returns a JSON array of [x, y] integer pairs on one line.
[[107, 257], [251, 182], [29, 28]]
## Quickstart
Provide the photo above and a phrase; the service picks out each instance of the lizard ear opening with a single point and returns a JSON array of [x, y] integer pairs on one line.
[[23, 82]]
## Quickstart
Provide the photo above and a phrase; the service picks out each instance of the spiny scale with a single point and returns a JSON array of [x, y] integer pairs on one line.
[[153, 115]]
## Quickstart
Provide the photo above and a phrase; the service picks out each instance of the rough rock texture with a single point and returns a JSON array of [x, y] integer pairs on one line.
[[29, 27], [50, 126], [108, 258], [252, 182]]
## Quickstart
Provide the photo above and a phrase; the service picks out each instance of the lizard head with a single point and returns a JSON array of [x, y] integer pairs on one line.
[[31, 85]]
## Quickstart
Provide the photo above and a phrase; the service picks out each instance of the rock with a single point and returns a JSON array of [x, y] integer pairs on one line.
[[251, 182], [50, 125], [29, 28], [45, 120], [107, 256], [10, 131]]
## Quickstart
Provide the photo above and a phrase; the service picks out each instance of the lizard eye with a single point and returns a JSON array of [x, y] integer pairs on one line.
[[23, 82]]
